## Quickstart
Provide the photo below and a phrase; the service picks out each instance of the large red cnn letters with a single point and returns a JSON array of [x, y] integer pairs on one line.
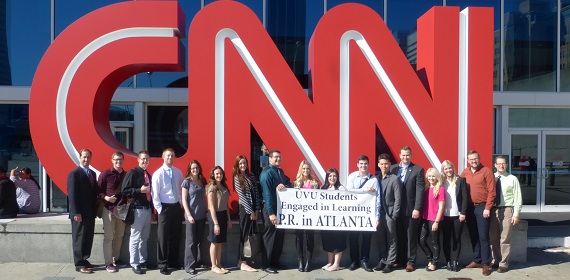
[[319, 120], [361, 81]]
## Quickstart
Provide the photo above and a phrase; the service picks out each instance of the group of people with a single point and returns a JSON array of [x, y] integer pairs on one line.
[[150, 197], [18, 194], [410, 206], [165, 196]]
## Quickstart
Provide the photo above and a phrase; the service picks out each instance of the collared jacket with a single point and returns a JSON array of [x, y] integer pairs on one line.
[[132, 183]]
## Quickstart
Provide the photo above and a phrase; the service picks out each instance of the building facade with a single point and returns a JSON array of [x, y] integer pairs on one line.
[[531, 93]]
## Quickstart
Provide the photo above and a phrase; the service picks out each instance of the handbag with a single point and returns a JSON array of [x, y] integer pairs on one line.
[[99, 208], [121, 210], [252, 243], [130, 218]]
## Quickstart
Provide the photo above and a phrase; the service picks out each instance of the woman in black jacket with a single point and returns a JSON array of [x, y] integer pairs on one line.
[[454, 212]]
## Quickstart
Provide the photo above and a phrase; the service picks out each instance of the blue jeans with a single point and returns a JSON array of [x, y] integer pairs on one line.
[[479, 233]]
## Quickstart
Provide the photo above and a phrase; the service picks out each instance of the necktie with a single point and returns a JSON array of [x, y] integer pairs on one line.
[[401, 173], [279, 172], [499, 191], [90, 177], [173, 186], [148, 197]]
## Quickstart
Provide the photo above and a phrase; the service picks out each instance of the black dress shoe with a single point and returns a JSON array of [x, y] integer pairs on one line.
[[449, 266], [308, 265], [279, 266], [387, 269], [353, 266], [365, 266], [455, 266], [143, 265], [301, 266], [191, 271], [137, 270], [175, 267], [270, 270], [164, 270], [380, 266]]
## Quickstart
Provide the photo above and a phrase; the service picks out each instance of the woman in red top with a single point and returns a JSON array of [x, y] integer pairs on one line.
[[434, 202]]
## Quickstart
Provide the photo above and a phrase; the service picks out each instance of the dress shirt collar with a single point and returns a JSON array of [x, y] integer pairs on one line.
[[85, 169]]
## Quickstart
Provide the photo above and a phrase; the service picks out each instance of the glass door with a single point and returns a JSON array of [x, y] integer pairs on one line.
[[541, 161], [524, 158], [556, 166]]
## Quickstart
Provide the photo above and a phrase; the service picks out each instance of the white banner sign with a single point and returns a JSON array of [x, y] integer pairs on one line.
[[326, 210]]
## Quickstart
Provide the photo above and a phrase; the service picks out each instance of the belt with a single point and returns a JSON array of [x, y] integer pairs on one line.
[[169, 204], [502, 207], [141, 207], [478, 204]]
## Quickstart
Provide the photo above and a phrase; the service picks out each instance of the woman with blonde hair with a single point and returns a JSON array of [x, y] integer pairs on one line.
[[454, 214], [249, 205], [432, 214], [305, 180], [218, 216]]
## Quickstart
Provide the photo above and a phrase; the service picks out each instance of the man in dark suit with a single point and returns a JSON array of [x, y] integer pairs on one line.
[[413, 183], [82, 193], [389, 211]]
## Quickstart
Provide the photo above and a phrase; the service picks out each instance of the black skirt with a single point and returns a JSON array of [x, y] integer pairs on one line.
[[334, 241], [223, 223]]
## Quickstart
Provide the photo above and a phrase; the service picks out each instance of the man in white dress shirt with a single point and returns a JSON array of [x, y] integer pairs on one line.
[[362, 181], [166, 184]]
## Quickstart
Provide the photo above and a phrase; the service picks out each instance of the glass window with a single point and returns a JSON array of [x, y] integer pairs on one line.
[[121, 113], [565, 45], [376, 5], [530, 51], [402, 17], [24, 37], [255, 5], [68, 11], [290, 24], [16, 147], [496, 5], [167, 127], [58, 200], [539, 117]]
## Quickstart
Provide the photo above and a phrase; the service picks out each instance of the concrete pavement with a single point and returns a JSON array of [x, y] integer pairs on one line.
[[541, 264]]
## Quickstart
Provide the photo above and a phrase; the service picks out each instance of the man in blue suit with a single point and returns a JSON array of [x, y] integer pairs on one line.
[[412, 193]]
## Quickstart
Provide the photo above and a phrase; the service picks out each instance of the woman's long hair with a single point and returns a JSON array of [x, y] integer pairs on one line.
[[326, 185], [28, 171], [200, 174], [300, 179], [445, 164], [242, 176], [434, 172], [213, 179]]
